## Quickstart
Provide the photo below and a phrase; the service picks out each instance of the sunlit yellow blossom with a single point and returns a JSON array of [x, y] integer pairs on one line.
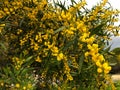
[[55, 50], [98, 63], [71, 9], [94, 57], [38, 59], [19, 31], [80, 45], [93, 51], [6, 9], [22, 42], [84, 36], [89, 46], [90, 40], [80, 24], [29, 86], [36, 47], [6, 2], [2, 25], [17, 85], [44, 2], [68, 16], [107, 70], [2, 84], [101, 58], [46, 43], [105, 65], [72, 28], [37, 37], [11, 9], [86, 54], [63, 15], [92, 18], [60, 56], [104, 2], [74, 63], [24, 88], [69, 77], [45, 36], [95, 46], [69, 32], [1, 14], [82, 39], [99, 70]]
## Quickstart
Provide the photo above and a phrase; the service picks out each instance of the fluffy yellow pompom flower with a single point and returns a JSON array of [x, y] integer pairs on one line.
[[17, 85], [60, 56], [99, 70]]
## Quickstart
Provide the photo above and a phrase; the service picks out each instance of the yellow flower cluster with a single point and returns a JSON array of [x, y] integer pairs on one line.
[[18, 62], [19, 31], [55, 51], [10, 7], [65, 16], [98, 59], [77, 6], [26, 37], [1, 84], [38, 59], [67, 71], [27, 87], [17, 85], [1, 27]]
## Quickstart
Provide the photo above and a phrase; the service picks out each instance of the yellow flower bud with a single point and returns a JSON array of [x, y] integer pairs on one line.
[[17, 85], [60, 56], [105, 65], [98, 64]]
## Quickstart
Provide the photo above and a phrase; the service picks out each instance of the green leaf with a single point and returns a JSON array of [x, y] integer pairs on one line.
[[68, 45], [28, 61], [81, 59], [98, 30], [29, 58], [106, 50], [74, 73], [75, 43], [116, 50], [12, 75], [3, 46], [24, 71], [73, 1], [61, 5], [89, 67], [6, 71], [60, 29]]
